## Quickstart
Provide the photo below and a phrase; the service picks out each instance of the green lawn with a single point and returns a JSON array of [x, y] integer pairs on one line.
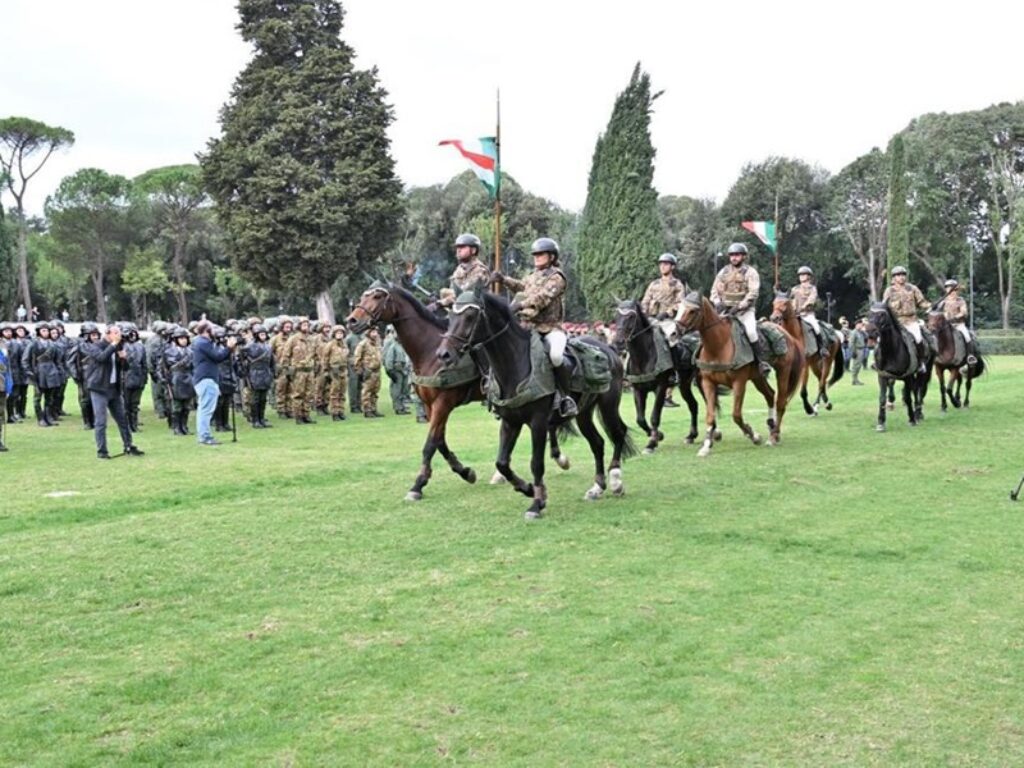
[[849, 598]]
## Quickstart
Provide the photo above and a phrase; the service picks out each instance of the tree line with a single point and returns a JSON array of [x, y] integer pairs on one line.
[[295, 205]]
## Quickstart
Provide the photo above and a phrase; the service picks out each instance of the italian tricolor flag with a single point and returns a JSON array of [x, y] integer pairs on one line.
[[482, 155], [765, 231]]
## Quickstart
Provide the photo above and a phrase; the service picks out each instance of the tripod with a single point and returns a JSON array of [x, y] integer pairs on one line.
[[1015, 493]]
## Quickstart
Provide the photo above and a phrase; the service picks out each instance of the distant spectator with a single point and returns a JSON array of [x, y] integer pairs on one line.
[[35, 314], [21, 313], [65, 315]]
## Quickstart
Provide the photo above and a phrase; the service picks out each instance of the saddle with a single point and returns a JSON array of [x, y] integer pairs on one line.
[[664, 358], [775, 343], [828, 336], [462, 372]]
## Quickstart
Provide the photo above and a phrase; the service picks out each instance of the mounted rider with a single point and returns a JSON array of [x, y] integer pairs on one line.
[[955, 309], [904, 299], [736, 287], [664, 296], [470, 273], [805, 301], [540, 306]]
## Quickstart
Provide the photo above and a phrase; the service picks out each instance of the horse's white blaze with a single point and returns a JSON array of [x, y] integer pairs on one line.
[[593, 493], [615, 481], [497, 478]]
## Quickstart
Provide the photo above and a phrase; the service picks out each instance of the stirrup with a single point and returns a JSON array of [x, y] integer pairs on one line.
[[972, 360], [566, 406]]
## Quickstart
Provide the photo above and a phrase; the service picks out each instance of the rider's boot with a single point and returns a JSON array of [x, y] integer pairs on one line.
[[563, 399], [761, 356]]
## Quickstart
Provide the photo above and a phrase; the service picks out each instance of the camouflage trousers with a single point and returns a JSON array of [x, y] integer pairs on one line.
[[301, 393], [371, 388], [337, 392], [355, 386], [283, 390], [322, 389]]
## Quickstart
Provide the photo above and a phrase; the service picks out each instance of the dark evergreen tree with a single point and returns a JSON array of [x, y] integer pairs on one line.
[[898, 252], [304, 184], [620, 234]]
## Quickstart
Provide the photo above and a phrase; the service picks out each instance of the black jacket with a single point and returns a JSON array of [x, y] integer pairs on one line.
[[100, 360]]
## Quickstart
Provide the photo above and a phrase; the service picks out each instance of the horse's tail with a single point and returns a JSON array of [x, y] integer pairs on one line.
[[567, 429], [838, 364], [980, 368]]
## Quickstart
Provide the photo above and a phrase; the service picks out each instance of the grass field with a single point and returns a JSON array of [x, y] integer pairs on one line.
[[849, 598]]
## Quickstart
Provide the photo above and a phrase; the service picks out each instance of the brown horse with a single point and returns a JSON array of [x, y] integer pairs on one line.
[[716, 354], [946, 360], [784, 315], [419, 332]]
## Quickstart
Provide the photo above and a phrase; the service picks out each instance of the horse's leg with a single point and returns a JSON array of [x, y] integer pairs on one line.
[[710, 404], [640, 403], [883, 391], [686, 390], [739, 389], [967, 393], [585, 421], [538, 435], [940, 374], [508, 436], [556, 450], [444, 409], [909, 393], [892, 395], [804, 376], [774, 416], [435, 436], [955, 378], [826, 369], [656, 435]]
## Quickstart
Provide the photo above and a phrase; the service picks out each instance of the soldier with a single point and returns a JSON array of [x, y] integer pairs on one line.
[[59, 337], [905, 299], [41, 361], [297, 363], [397, 365], [281, 384], [75, 362], [540, 307], [227, 383], [257, 368], [135, 374], [470, 273], [367, 365], [154, 356], [805, 301], [322, 384], [7, 413], [737, 286], [955, 310], [19, 395], [663, 296], [858, 343], [335, 362], [355, 384], [177, 373]]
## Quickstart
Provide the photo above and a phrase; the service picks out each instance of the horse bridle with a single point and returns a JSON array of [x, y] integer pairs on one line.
[[374, 317], [464, 342], [634, 313]]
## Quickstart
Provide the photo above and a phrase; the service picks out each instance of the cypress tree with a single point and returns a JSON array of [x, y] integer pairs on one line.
[[898, 251], [304, 184], [620, 234]]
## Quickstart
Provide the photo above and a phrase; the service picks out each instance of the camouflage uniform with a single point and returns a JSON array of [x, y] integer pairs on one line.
[[297, 360], [367, 363], [663, 297], [468, 276], [397, 365], [334, 357], [805, 301], [322, 385], [739, 287], [354, 381], [905, 300], [955, 310], [281, 384], [541, 300]]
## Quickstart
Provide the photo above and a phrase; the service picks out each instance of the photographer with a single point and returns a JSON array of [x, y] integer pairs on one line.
[[103, 375], [206, 360]]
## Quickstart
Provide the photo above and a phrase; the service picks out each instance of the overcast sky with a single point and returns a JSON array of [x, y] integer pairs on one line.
[[140, 82]]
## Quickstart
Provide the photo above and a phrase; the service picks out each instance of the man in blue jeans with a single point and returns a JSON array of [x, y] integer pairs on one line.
[[206, 357]]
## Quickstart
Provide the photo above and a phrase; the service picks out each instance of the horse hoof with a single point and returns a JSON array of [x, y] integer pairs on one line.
[[413, 496], [912, 423], [648, 451], [813, 413], [593, 493], [562, 461], [718, 435], [690, 439], [470, 476], [828, 406], [497, 479], [705, 450], [615, 482], [533, 514], [889, 406], [661, 435], [755, 439], [880, 428]]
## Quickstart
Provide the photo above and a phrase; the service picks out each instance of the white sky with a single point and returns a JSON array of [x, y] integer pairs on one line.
[[140, 82]]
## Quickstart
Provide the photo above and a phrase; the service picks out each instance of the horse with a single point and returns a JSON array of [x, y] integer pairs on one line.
[[946, 360], [784, 315], [419, 332], [487, 324], [892, 362], [634, 333], [716, 355]]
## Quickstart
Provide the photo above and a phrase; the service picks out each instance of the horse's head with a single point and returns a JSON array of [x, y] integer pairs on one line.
[[376, 305], [464, 325], [878, 319], [937, 321], [629, 322], [692, 311], [782, 308]]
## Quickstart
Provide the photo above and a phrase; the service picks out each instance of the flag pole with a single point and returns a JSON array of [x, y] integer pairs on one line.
[[497, 188], [778, 239]]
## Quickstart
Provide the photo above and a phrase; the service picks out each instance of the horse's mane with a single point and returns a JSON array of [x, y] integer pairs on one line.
[[499, 306], [425, 314]]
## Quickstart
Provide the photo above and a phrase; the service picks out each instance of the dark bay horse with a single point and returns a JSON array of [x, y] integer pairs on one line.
[[489, 325], [892, 361], [634, 333], [946, 361], [716, 354], [785, 316], [419, 332]]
